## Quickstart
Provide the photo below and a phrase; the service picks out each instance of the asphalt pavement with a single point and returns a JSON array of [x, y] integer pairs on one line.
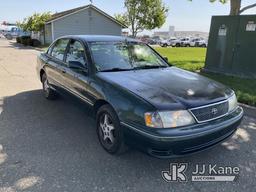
[[51, 146]]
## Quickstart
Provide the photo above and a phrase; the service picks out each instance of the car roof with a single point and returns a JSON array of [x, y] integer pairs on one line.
[[101, 38]]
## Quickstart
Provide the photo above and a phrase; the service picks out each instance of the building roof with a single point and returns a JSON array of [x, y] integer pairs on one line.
[[63, 14], [101, 38]]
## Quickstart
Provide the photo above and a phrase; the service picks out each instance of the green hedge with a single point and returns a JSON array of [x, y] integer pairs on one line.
[[18, 39], [27, 41]]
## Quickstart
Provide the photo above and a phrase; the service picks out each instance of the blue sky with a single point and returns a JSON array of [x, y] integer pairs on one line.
[[183, 15]]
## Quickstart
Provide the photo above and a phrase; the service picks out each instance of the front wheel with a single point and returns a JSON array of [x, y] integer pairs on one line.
[[109, 131]]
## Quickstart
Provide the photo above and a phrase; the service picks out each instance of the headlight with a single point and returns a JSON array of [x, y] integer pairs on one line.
[[168, 119], [232, 103]]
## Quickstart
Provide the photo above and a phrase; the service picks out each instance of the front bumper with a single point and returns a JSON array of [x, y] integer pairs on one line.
[[166, 143]]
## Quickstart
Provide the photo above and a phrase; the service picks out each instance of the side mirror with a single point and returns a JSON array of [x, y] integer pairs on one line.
[[166, 59], [77, 65]]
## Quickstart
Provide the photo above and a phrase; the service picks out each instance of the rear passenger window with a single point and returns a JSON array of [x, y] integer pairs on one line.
[[59, 49]]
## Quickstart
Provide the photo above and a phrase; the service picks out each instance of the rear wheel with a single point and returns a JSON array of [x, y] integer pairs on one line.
[[48, 92], [109, 131]]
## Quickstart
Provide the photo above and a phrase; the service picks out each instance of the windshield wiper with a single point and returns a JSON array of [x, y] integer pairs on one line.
[[115, 70], [150, 67]]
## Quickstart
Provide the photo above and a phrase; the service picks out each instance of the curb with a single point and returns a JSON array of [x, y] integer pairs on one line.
[[249, 110]]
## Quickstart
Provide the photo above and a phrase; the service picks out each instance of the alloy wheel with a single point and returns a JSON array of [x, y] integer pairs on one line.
[[107, 130]]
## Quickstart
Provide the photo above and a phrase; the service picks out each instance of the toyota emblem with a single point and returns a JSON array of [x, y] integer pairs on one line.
[[214, 111]]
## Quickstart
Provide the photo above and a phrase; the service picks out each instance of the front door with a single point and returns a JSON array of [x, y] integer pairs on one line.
[[76, 76]]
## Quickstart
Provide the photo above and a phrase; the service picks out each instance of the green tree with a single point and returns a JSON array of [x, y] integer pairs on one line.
[[235, 6], [35, 22], [122, 18], [143, 14]]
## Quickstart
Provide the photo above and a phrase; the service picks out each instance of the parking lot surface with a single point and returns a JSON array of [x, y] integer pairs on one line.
[[51, 146]]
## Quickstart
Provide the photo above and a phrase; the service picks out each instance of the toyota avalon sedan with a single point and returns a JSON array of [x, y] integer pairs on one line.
[[137, 97]]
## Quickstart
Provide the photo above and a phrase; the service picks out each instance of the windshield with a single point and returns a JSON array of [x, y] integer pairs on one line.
[[110, 56]]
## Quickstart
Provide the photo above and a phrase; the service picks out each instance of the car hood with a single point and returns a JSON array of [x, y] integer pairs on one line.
[[169, 88]]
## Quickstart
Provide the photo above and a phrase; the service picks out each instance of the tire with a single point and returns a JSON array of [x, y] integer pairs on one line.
[[8, 37], [109, 131], [177, 45], [203, 45], [48, 92]]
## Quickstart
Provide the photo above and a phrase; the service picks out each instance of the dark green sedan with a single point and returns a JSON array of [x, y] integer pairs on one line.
[[138, 99]]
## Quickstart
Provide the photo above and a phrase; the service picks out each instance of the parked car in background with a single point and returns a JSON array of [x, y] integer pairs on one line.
[[152, 42], [127, 85], [193, 42], [14, 32], [156, 40], [165, 43], [198, 42], [174, 42], [185, 42], [201, 43]]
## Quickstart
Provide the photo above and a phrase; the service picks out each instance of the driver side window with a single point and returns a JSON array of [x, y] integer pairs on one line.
[[59, 48], [76, 53]]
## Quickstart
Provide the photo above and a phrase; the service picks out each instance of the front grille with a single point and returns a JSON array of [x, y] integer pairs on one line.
[[210, 112]]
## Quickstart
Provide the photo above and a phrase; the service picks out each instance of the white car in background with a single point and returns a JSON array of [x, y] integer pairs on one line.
[[201, 43], [173, 41], [165, 43], [195, 42], [185, 42], [198, 42]]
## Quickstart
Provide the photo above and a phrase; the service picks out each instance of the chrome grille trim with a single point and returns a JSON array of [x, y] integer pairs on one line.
[[205, 106]]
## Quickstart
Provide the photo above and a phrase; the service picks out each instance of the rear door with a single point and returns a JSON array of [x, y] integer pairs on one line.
[[54, 67]]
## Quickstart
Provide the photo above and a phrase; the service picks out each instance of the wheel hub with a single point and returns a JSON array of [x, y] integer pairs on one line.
[[107, 128]]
